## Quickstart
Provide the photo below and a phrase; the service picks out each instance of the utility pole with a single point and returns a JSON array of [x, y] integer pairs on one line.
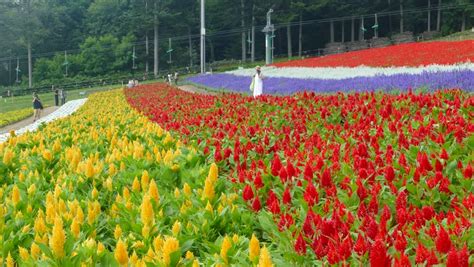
[[376, 27], [66, 63], [17, 70], [203, 38], [268, 30], [134, 56], [169, 51], [362, 29]]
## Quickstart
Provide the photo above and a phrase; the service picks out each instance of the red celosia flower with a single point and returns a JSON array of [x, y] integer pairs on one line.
[[300, 245], [378, 254], [453, 260], [443, 242], [256, 205], [463, 257], [247, 194], [389, 174], [257, 182], [287, 196], [310, 194], [422, 254], [276, 165], [468, 171], [326, 178], [403, 261], [308, 172]]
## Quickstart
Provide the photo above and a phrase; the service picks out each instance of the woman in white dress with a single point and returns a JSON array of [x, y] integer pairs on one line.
[[258, 82]]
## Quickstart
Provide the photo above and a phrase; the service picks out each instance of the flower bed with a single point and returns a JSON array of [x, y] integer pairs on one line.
[[14, 116], [353, 179], [280, 85], [412, 54], [108, 187]]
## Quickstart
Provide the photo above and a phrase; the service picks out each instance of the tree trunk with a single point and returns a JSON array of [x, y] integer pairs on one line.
[[242, 24], [156, 40], [401, 16], [438, 19], [429, 15], [288, 37], [253, 33], [352, 30], [147, 45], [331, 25], [147, 53], [190, 43], [343, 31], [30, 67], [463, 25], [389, 18], [300, 37]]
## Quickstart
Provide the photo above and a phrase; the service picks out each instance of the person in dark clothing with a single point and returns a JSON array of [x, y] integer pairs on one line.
[[37, 106], [56, 97]]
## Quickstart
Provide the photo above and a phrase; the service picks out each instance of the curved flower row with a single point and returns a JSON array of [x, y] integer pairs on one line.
[[403, 55], [281, 85], [334, 73], [106, 186], [348, 179], [14, 116]]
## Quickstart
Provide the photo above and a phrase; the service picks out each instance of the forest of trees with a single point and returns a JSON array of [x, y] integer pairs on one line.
[[57, 40]]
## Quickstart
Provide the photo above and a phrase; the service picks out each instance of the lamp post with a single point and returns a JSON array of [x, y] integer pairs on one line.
[[203, 39], [268, 30]]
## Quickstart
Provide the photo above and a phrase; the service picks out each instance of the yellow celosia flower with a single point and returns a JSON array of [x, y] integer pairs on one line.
[[157, 244], [176, 228], [265, 259], [100, 248], [58, 238], [10, 262], [146, 231], [145, 181], [254, 248], [126, 193], [209, 207], [90, 172], [24, 255], [153, 191], [112, 169], [170, 245], [189, 255], [136, 185], [213, 171], [208, 192], [146, 210], [8, 157], [226, 245], [35, 251], [76, 227], [15, 195], [134, 258], [47, 155], [121, 253], [176, 192], [196, 263], [31, 189], [108, 184], [117, 232], [235, 238], [187, 189], [95, 193]]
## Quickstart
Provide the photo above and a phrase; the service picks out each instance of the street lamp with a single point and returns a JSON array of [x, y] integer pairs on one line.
[[203, 38], [268, 30]]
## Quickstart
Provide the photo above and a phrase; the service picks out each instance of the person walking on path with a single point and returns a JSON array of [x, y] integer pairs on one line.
[[37, 106], [176, 76], [64, 97], [257, 82], [56, 97]]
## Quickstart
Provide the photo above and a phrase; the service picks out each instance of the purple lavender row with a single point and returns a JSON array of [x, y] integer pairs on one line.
[[277, 85]]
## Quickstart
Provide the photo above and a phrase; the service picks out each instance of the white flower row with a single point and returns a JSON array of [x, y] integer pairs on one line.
[[347, 72], [65, 110]]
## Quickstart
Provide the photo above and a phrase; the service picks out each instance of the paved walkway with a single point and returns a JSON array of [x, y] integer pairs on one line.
[[196, 90], [29, 126], [20, 124]]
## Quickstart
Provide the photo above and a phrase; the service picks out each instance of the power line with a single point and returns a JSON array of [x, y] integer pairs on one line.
[[235, 31]]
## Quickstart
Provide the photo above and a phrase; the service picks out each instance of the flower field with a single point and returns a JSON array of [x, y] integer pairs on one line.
[[108, 187], [430, 66], [351, 179], [14, 116], [411, 54]]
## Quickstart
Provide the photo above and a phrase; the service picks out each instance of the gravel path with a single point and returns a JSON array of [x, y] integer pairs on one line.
[[65, 110]]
